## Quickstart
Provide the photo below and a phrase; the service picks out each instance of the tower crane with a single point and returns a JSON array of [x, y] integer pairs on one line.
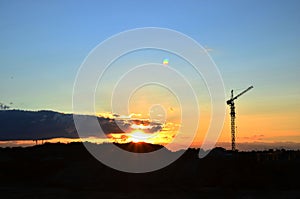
[[230, 102]]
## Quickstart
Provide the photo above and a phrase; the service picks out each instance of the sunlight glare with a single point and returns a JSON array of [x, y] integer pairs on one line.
[[139, 136]]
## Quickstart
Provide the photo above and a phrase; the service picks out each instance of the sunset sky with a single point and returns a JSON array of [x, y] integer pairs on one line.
[[43, 43]]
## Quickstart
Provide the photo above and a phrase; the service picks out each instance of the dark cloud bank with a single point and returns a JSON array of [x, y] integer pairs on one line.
[[30, 125]]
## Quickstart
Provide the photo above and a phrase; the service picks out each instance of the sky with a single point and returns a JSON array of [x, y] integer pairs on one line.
[[43, 44]]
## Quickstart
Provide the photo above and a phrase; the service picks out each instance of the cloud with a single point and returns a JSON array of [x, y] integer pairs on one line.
[[208, 49], [29, 125], [118, 137], [253, 137], [128, 125]]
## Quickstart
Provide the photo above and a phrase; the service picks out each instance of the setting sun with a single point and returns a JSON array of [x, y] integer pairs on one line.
[[139, 136]]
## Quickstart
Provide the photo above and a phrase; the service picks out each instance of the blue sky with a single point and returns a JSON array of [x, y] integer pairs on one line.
[[43, 43]]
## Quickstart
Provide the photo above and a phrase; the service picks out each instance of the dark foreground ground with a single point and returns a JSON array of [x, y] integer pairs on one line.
[[69, 171]]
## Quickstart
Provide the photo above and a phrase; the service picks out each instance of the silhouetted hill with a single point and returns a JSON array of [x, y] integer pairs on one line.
[[140, 147], [69, 171]]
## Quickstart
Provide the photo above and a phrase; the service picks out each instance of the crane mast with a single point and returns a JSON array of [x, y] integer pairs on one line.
[[230, 102]]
